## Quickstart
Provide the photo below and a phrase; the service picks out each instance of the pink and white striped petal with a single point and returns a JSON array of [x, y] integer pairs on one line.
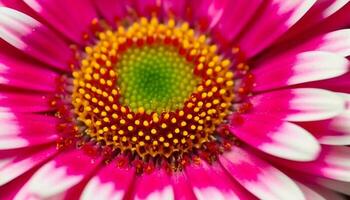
[[299, 68], [111, 10], [317, 193], [258, 177], [275, 137], [19, 71], [214, 182], [24, 103], [337, 42], [10, 190], [34, 38], [279, 16], [302, 104], [337, 21], [73, 22], [182, 187], [17, 5], [309, 193], [236, 13], [318, 13], [57, 176], [154, 186], [14, 163], [333, 163], [110, 183], [335, 131], [23, 130], [337, 84]]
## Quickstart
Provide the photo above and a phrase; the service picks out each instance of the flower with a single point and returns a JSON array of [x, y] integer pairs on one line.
[[162, 99]]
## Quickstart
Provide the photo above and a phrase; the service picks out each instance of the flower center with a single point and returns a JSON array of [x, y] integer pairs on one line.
[[153, 93], [155, 78]]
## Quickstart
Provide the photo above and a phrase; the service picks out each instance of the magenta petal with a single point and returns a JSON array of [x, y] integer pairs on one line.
[[303, 104], [18, 5], [34, 38], [337, 42], [318, 13], [292, 69], [154, 186], [258, 177], [333, 162], [16, 162], [276, 137], [72, 18], [312, 192], [17, 71], [57, 176], [338, 84], [147, 7], [182, 187], [279, 16], [110, 182], [111, 10], [207, 13], [175, 8], [335, 131], [234, 17], [338, 186], [213, 180], [17, 102], [22, 130], [10, 190]]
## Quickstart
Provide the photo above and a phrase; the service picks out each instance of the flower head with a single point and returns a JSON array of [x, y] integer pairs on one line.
[[148, 99]]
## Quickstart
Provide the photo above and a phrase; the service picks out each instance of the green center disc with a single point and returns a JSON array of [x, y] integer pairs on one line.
[[155, 78]]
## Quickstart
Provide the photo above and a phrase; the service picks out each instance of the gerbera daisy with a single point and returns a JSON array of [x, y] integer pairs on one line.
[[165, 99]]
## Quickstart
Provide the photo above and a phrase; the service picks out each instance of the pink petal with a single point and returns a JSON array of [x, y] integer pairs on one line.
[[276, 137], [18, 5], [10, 190], [182, 187], [19, 71], [338, 84], [303, 104], [318, 193], [154, 186], [235, 16], [147, 7], [207, 13], [338, 20], [309, 193], [34, 38], [335, 131], [333, 163], [279, 16], [258, 177], [337, 42], [15, 163], [110, 182], [22, 130], [58, 175], [214, 182], [299, 68], [111, 10], [320, 11], [17, 102], [175, 8], [338, 186], [72, 18]]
